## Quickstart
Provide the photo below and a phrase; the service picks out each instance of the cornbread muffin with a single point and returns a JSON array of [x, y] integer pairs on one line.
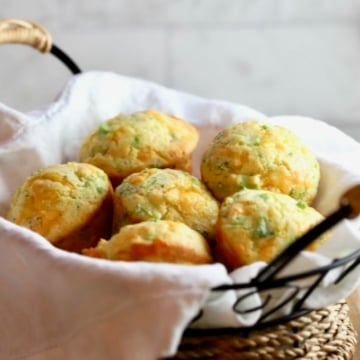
[[255, 155], [154, 241], [146, 139], [69, 204], [167, 194], [257, 225]]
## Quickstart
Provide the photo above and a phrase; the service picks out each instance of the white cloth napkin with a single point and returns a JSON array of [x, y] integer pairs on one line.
[[58, 305]]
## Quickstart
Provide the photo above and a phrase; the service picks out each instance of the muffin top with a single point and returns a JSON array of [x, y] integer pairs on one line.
[[257, 225], [129, 143], [154, 194], [155, 241], [59, 199], [255, 155]]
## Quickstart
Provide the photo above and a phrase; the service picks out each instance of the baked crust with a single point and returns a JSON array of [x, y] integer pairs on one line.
[[147, 139], [69, 204], [168, 194], [154, 241], [256, 225], [255, 155]]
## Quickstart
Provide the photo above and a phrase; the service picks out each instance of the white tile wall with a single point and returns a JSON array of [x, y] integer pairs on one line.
[[136, 52], [278, 56], [303, 70]]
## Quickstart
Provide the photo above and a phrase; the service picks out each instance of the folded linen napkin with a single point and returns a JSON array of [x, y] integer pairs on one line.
[[59, 305]]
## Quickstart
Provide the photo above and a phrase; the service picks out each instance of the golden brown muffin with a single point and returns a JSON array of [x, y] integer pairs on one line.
[[255, 155], [129, 143], [154, 241], [257, 225], [168, 194], [69, 204]]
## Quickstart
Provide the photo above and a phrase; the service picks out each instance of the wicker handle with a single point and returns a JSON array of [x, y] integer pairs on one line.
[[14, 31], [352, 197], [25, 32]]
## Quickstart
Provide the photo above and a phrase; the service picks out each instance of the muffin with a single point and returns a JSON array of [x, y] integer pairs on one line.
[[147, 139], [255, 155], [69, 204], [154, 241], [256, 225], [165, 194]]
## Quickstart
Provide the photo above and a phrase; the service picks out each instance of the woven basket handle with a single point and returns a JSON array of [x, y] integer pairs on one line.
[[14, 31]]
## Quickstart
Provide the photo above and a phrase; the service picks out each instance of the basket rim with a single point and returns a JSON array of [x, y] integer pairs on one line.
[[322, 334]]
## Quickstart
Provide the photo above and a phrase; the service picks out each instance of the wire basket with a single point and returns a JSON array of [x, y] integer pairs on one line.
[[300, 332], [321, 334]]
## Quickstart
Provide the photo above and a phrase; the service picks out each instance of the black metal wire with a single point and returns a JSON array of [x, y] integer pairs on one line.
[[64, 58], [267, 282], [278, 282], [269, 287], [244, 330], [294, 249]]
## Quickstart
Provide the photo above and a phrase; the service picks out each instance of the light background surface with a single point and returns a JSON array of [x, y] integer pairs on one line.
[[278, 56]]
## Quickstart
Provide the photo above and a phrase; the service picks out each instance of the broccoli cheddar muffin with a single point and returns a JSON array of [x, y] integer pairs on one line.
[[154, 241], [69, 204], [255, 155], [129, 143], [257, 225], [167, 194]]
